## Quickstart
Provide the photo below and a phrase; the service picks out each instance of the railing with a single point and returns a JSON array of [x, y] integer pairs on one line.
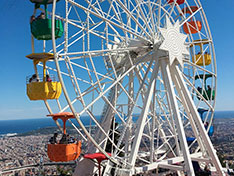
[[40, 78]]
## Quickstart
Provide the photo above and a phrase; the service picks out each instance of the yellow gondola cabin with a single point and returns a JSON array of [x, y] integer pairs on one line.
[[46, 88]]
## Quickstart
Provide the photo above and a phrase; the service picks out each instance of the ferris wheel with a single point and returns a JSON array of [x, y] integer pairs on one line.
[[135, 74]]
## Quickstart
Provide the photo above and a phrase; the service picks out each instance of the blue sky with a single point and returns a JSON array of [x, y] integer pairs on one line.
[[15, 44]]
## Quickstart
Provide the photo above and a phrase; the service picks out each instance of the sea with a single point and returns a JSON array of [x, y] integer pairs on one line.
[[13, 127]]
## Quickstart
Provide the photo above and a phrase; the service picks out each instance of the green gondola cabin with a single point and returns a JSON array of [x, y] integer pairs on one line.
[[207, 92], [41, 26]]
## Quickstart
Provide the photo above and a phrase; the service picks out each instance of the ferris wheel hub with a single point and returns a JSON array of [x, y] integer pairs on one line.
[[174, 42]]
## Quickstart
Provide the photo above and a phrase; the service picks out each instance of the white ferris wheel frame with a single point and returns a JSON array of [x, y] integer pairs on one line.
[[171, 76]]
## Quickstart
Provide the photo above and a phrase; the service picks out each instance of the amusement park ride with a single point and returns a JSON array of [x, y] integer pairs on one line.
[[149, 65]]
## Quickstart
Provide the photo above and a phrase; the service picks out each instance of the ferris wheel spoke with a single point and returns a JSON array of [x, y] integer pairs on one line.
[[172, 10], [72, 75], [190, 17], [77, 90], [95, 26], [126, 93], [62, 43], [128, 11], [159, 13], [114, 10], [81, 94], [90, 29], [147, 124], [205, 27], [102, 93], [77, 14], [107, 20], [93, 52], [156, 8], [95, 73], [107, 76], [202, 34], [200, 68], [79, 38], [102, 130], [63, 109], [164, 138], [137, 96], [166, 144], [97, 9], [116, 33], [113, 108], [147, 12], [151, 16], [64, 73], [143, 80], [144, 18], [136, 21], [80, 133]]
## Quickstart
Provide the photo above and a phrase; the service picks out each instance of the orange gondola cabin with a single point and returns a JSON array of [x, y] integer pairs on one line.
[[63, 152], [191, 27], [177, 1]]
